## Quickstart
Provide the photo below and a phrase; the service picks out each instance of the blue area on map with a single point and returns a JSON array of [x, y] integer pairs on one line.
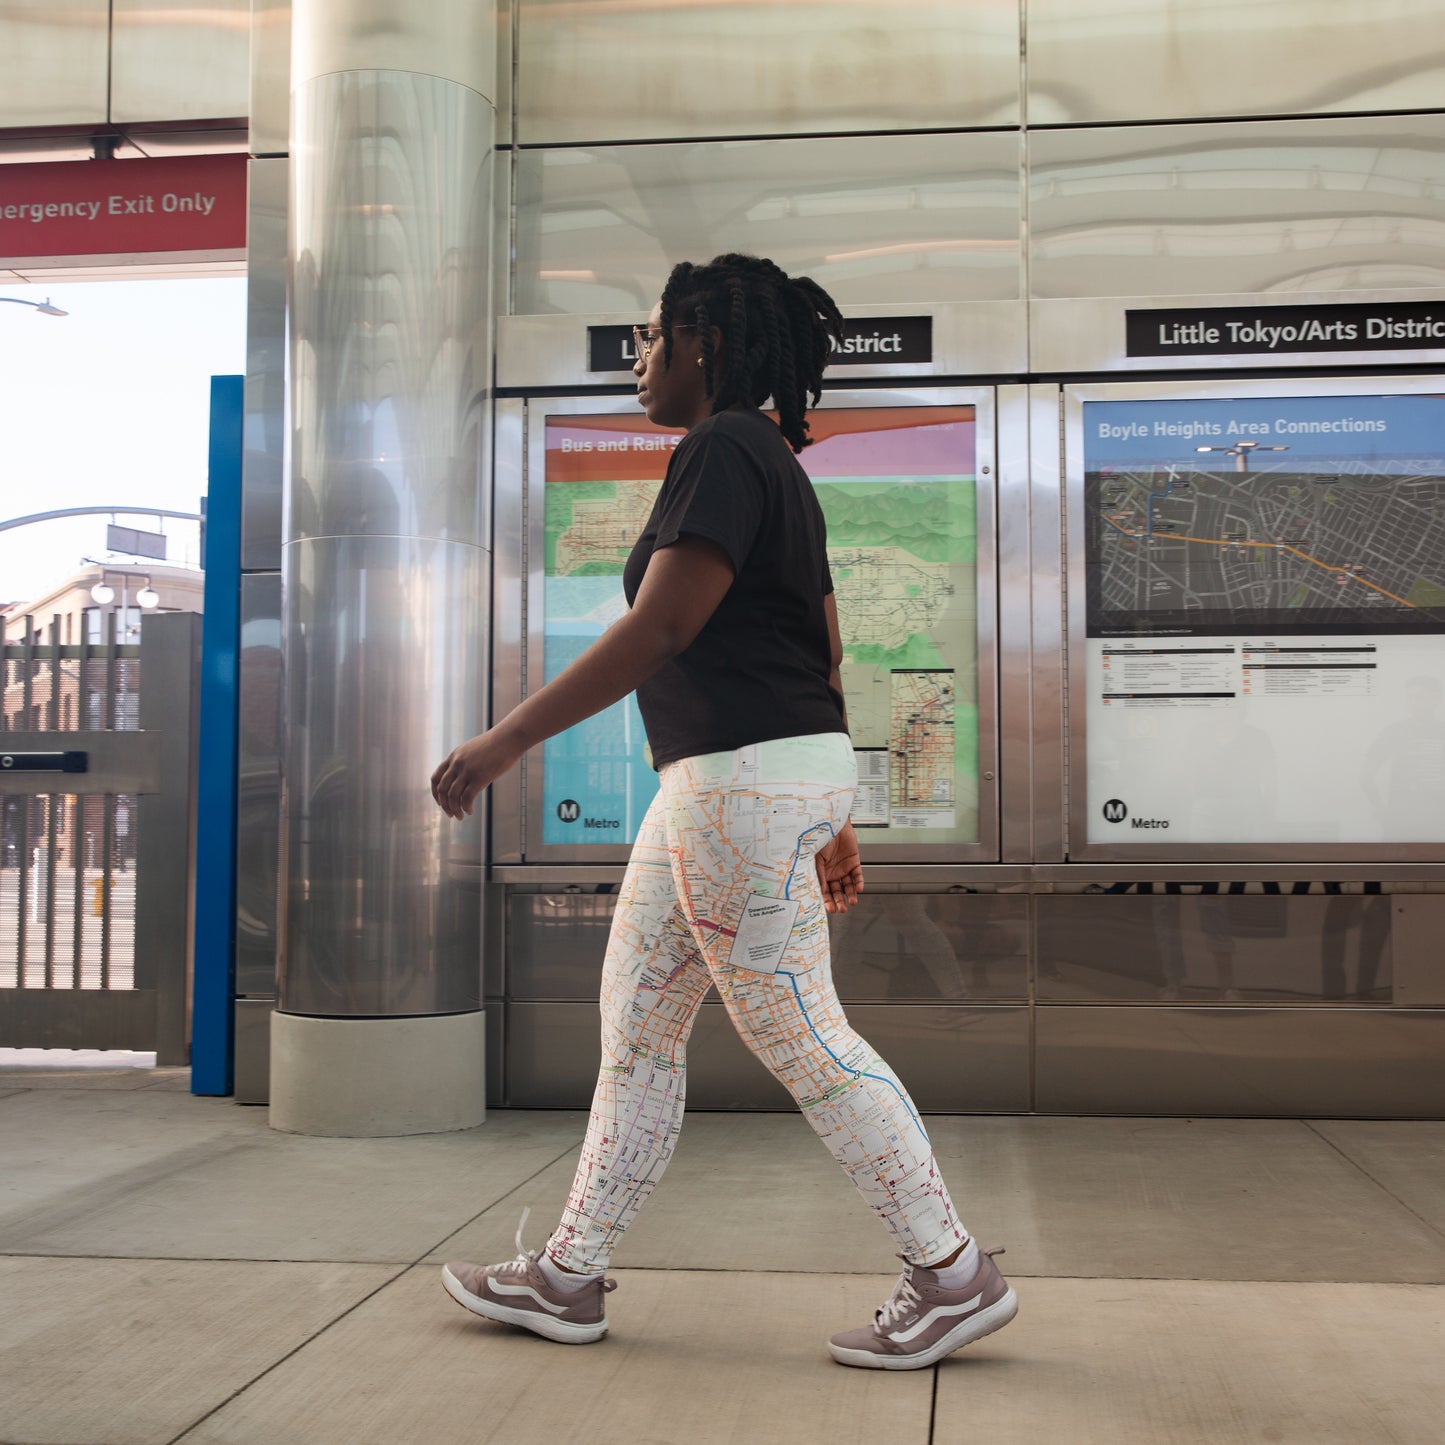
[[1400, 434], [599, 765]]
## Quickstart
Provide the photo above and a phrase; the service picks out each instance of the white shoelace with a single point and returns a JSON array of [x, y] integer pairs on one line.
[[903, 1299], [526, 1258]]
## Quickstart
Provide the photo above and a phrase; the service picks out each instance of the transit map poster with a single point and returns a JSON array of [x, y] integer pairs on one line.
[[1265, 620], [897, 488]]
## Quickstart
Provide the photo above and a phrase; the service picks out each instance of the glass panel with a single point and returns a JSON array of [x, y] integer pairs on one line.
[[1267, 206], [898, 487], [1214, 947], [714, 67], [1165, 59], [886, 219]]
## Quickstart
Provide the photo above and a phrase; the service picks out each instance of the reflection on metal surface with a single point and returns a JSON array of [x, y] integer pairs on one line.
[[719, 67], [1265, 206], [176, 60], [453, 41], [383, 677], [1178, 59], [389, 293], [270, 108], [1274, 1063], [952, 1059], [54, 62], [916, 946], [385, 572], [1213, 947], [258, 784], [599, 229], [264, 435]]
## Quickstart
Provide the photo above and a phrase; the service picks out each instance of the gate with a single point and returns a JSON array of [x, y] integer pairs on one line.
[[95, 866]]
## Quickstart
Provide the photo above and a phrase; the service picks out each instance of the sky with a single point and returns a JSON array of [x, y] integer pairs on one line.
[[108, 406]]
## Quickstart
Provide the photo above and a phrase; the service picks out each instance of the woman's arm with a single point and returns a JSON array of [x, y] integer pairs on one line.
[[681, 589]]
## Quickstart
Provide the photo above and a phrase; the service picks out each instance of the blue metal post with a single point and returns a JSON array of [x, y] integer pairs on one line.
[[214, 987]]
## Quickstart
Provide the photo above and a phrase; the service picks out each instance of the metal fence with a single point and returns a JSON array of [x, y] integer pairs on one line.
[[77, 867]]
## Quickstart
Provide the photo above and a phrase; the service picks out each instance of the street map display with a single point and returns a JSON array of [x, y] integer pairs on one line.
[[1265, 619], [897, 488]]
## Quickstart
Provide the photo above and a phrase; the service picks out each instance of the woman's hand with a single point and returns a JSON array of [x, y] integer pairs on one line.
[[476, 764], [840, 871]]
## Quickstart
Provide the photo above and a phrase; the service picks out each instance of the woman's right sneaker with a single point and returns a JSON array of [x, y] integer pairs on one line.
[[517, 1293], [923, 1320]]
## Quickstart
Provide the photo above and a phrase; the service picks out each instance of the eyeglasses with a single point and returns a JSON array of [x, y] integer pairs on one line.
[[644, 340]]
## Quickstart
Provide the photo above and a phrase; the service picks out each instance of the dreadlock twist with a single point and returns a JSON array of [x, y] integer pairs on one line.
[[777, 333]]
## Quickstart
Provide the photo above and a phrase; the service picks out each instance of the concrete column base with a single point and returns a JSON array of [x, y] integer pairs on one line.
[[371, 1078]]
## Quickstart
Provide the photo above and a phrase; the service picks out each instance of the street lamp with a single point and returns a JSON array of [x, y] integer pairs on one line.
[[1241, 452], [43, 307]]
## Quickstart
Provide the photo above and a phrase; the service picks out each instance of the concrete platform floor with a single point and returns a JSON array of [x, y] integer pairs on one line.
[[171, 1270]]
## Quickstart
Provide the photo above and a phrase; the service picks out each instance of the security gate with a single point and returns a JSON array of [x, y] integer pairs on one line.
[[95, 865]]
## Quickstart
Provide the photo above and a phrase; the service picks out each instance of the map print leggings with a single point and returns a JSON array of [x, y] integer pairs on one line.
[[722, 888]]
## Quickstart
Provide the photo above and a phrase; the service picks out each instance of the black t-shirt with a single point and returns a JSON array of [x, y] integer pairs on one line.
[[759, 668]]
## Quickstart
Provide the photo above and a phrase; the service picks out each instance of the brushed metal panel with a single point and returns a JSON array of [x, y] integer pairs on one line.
[[258, 784], [951, 1059], [450, 40], [120, 762], [904, 219], [1015, 606], [1174, 59], [1277, 1063], [1046, 621], [1087, 334], [1280, 207], [54, 62], [722, 68], [383, 654], [940, 946], [177, 60], [1417, 925], [390, 216], [264, 431], [166, 826], [970, 338], [252, 1073], [1209, 947], [509, 641], [270, 105]]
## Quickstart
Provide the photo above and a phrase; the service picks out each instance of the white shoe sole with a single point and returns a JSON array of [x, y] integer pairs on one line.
[[975, 1327], [565, 1332]]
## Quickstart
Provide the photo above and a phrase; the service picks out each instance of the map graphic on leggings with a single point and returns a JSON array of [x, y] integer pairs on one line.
[[897, 488]]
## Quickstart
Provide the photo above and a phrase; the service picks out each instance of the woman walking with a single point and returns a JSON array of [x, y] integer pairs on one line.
[[732, 645]]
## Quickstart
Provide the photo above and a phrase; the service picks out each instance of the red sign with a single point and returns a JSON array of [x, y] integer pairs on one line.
[[108, 208]]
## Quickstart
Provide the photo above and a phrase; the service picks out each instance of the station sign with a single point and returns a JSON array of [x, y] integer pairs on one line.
[[166, 206], [1266, 330], [872, 341]]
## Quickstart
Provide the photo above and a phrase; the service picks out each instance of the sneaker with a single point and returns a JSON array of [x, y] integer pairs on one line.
[[517, 1293], [923, 1321]]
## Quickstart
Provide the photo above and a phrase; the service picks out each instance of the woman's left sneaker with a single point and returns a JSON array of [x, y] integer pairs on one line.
[[517, 1293], [923, 1320]]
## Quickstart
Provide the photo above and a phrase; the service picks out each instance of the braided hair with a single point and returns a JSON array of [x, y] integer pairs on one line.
[[777, 330]]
